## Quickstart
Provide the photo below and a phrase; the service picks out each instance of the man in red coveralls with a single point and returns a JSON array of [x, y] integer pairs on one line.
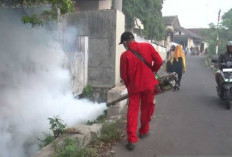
[[140, 82]]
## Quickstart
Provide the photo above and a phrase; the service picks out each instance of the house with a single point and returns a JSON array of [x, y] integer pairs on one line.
[[198, 31], [190, 39], [173, 27]]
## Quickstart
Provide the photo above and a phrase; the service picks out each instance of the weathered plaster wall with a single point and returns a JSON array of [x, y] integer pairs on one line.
[[117, 4], [120, 21]]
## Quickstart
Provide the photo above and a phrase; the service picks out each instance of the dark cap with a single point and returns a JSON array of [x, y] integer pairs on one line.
[[126, 36]]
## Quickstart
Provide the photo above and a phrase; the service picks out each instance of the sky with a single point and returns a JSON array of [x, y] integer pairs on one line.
[[196, 13]]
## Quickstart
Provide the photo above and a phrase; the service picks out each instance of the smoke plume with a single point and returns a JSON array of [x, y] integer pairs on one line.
[[34, 86]]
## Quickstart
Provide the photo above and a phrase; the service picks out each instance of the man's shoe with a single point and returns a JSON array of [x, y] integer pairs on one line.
[[130, 146], [143, 136]]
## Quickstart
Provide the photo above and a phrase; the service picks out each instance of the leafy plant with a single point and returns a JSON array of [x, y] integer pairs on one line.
[[87, 92], [34, 20], [58, 7], [57, 126]]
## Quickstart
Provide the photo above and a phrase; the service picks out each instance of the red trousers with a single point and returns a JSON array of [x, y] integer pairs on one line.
[[144, 100]]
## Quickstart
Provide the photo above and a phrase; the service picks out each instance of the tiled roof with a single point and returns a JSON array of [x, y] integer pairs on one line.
[[172, 20], [190, 33], [197, 31]]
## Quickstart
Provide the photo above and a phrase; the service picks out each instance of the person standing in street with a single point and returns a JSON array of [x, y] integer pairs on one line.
[[178, 64], [171, 52], [168, 67], [140, 82]]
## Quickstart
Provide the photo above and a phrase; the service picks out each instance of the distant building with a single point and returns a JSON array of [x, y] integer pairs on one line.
[[191, 39], [198, 32], [172, 25]]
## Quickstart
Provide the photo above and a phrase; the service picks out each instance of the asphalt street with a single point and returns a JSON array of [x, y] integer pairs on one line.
[[190, 122]]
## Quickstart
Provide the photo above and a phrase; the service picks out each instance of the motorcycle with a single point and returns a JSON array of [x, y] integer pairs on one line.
[[224, 83]]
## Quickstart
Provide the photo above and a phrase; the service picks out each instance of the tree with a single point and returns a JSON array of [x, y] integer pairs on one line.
[[57, 7], [224, 33], [149, 12], [226, 26]]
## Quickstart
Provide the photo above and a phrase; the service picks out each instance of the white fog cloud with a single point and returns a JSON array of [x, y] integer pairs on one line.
[[33, 87]]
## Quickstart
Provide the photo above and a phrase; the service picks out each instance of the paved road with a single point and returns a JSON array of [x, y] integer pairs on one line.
[[190, 122]]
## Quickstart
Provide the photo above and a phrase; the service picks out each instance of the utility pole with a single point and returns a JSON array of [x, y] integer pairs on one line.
[[217, 42]]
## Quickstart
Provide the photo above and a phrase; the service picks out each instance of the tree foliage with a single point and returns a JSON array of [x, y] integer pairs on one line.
[[227, 20], [224, 33], [149, 12], [56, 7]]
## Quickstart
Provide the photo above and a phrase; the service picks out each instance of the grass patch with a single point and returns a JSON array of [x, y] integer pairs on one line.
[[46, 141], [73, 148], [111, 132]]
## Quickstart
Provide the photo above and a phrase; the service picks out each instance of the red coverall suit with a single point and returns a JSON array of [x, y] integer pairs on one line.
[[140, 82]]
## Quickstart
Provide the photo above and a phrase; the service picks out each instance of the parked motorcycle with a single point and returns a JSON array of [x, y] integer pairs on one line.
[[224, 83]]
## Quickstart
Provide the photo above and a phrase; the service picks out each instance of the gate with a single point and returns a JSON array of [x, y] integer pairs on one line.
[[76, 49]]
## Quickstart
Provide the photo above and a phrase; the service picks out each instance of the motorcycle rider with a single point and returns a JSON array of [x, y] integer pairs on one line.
[[227, 56], [223, 58]]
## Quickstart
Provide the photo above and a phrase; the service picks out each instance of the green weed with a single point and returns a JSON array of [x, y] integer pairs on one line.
[[73, 148], [87, 92], [111, 132], [57, 126]]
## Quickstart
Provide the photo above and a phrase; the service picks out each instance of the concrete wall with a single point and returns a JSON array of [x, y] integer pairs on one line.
[[162, 51], [117, 4], [103, 29], [120, 28]]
